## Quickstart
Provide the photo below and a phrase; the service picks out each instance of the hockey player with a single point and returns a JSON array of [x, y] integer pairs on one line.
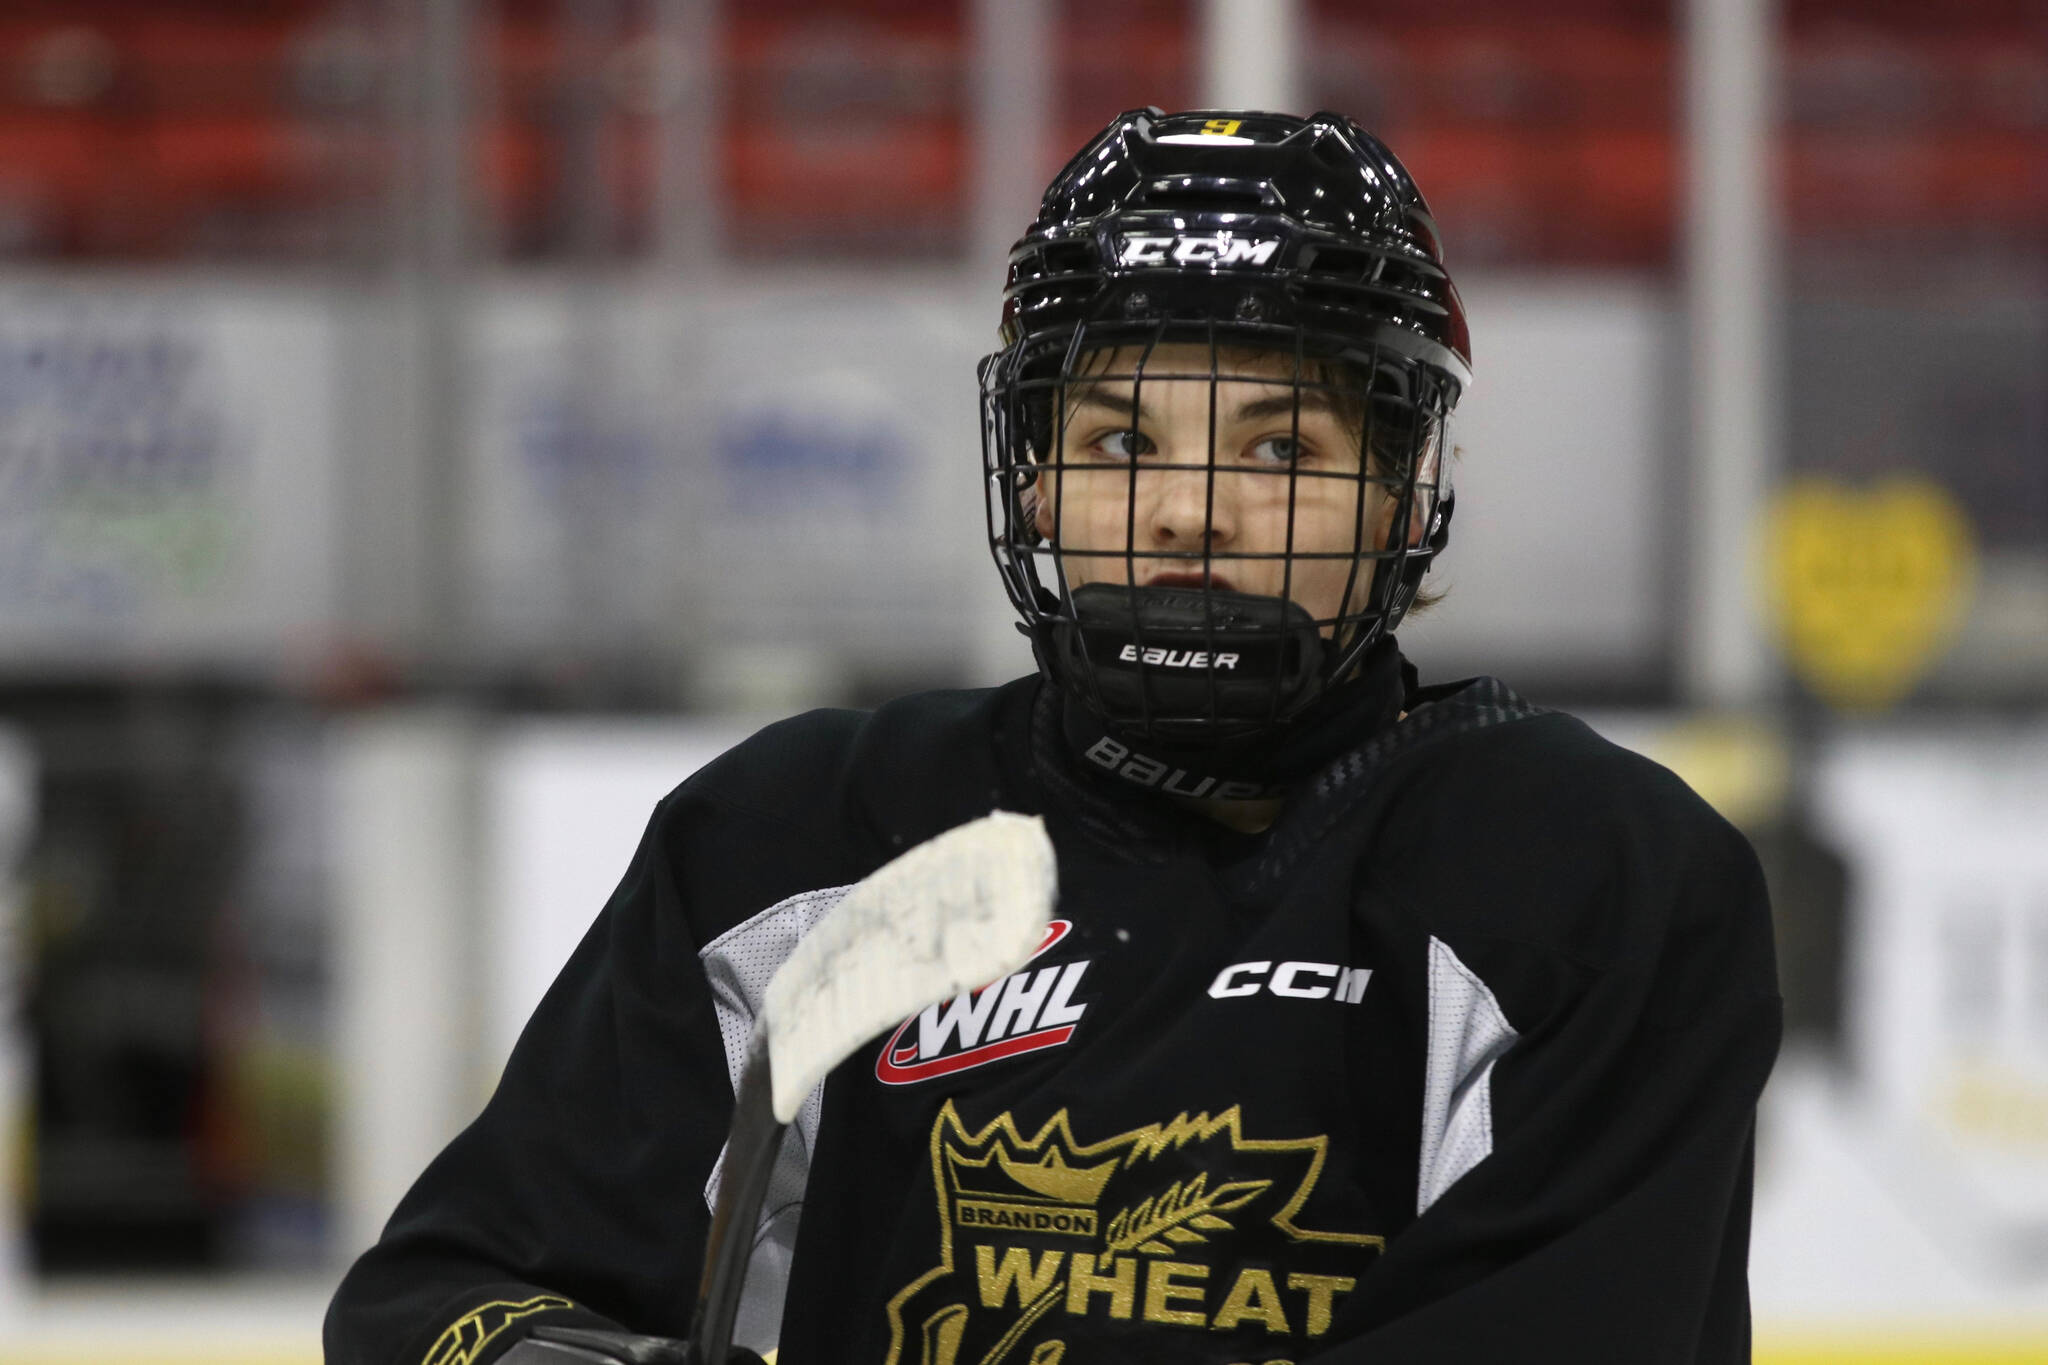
[[1380, 1023]]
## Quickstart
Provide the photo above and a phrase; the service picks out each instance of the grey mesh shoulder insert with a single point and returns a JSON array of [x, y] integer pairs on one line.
[[738, 964], [1467, 1035]]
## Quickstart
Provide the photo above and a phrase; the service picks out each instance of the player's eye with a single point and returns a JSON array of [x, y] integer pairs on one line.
[[1279, 450], [1125, 444]]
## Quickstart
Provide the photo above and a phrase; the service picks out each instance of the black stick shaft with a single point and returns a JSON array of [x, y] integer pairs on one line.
[[750, 1155], [750, 1152]]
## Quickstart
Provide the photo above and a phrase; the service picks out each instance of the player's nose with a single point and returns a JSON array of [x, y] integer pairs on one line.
[[1189, 506]]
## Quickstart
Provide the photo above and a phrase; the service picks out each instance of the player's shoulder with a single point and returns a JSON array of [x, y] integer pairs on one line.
[[820, 800], [815, 769], [1547, 767], [1516, 821]]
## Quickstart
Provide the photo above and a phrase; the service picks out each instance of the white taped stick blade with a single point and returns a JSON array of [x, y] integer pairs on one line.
[[954, 913]]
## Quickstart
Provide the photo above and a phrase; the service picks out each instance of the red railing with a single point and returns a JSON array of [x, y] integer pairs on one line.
[[1546, 135]]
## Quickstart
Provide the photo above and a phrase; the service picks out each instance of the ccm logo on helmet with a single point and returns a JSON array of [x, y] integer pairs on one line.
[[1175, 658], [1295, 980], [1217, 249]]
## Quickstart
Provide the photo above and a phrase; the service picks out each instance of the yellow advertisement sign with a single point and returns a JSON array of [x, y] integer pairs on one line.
[[1869, 585]]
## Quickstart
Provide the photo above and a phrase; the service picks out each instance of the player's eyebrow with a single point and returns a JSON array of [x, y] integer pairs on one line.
[[1096, 396], [1252, 410], [1282, 405]]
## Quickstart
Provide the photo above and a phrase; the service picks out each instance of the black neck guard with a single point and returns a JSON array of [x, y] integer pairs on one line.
[[1250, 769]]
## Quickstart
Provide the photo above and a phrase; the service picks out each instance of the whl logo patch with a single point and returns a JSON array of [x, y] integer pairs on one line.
[[1024, 1012]]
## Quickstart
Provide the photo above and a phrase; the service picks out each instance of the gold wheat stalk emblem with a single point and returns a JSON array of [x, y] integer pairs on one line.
[[1179, 1214]]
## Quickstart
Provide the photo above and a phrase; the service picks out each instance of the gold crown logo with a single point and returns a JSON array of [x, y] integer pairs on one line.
[[1053, 1177]]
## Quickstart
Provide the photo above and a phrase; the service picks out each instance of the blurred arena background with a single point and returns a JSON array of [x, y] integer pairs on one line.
[[429, 428]]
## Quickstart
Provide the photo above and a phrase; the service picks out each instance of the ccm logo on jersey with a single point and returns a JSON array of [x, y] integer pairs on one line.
[[1295, 980], [1175, 658], [1023, 1012], [1216, 249]]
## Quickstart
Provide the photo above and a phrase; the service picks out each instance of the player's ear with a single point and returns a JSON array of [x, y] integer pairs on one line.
[[1418, 524], [1040, 507], [1383, 506]]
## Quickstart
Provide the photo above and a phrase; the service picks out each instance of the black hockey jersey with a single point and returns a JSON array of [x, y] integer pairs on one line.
[[1457, 1062]]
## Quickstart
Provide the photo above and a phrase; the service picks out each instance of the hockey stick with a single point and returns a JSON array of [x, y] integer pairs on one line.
[[965, 908]]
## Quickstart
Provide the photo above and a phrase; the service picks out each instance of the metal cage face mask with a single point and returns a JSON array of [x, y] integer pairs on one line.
[[1204, 528]]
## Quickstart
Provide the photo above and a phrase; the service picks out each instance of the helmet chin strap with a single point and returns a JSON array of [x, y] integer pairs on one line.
[[1263, 765]]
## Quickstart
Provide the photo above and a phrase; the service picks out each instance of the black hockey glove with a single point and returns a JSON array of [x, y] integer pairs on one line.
[[580, 1346]]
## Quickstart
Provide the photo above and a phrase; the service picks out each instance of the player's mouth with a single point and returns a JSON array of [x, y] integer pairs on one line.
[[1214, 582]]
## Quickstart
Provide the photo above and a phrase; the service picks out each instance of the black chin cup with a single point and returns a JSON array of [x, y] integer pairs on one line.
[[1184, 662]]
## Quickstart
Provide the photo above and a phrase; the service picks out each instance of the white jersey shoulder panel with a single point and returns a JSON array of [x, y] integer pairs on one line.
[[1467, 1035]]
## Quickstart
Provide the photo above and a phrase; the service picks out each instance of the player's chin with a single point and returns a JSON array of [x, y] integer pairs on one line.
[[1180, 575]]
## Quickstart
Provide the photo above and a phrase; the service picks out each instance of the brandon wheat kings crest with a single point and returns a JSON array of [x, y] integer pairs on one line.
[[1179, 1241]]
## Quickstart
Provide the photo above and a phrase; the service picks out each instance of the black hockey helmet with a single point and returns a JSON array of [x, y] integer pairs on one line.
[[1241, 231]]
